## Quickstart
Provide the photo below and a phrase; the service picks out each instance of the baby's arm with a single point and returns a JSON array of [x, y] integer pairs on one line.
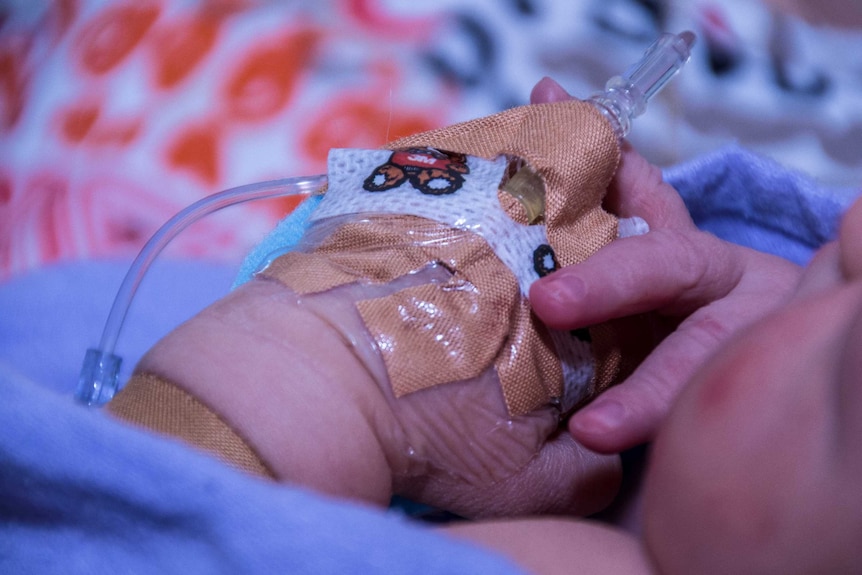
[[398, 339], [284, 381], [292, 387]]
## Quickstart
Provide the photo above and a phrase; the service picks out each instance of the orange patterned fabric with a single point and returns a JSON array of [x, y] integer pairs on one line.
[[117, 114]]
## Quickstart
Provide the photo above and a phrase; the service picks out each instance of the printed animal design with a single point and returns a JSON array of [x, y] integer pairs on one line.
[[545, 260], [431, 171]]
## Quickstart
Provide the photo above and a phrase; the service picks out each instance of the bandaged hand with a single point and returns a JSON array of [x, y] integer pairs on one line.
[[394, 349]]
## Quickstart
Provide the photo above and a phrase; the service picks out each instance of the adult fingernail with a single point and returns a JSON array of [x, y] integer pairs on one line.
[[604, 415], [564, 289]]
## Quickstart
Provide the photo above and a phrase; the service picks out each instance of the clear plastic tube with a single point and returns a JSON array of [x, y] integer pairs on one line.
[[626, 96], [99, 378]]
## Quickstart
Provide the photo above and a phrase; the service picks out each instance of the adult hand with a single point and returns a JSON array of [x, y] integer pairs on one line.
[[698, 289]]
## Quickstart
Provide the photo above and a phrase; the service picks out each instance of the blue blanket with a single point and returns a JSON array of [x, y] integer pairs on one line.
[[80, 493]]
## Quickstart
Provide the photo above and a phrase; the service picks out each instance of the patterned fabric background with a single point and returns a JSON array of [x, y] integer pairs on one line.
[[114, 115]]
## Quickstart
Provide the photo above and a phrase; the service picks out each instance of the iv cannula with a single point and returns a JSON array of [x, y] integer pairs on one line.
[[625, 97]]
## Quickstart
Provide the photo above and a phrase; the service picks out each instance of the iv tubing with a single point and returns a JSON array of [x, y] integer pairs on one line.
[[99, 379]]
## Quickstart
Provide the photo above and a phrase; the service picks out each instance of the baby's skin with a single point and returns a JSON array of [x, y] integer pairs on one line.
[[296, 372], [319, 414], [294, 365], [720, 495], [696, 291], [288, 382], [756, 467]]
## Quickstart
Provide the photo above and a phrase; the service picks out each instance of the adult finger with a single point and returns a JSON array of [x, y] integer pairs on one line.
[[665, 270], [630, 413], [639, 189], [547, 90]]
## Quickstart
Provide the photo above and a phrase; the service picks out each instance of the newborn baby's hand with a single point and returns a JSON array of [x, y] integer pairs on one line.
[[309, 399], [465, 415]]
